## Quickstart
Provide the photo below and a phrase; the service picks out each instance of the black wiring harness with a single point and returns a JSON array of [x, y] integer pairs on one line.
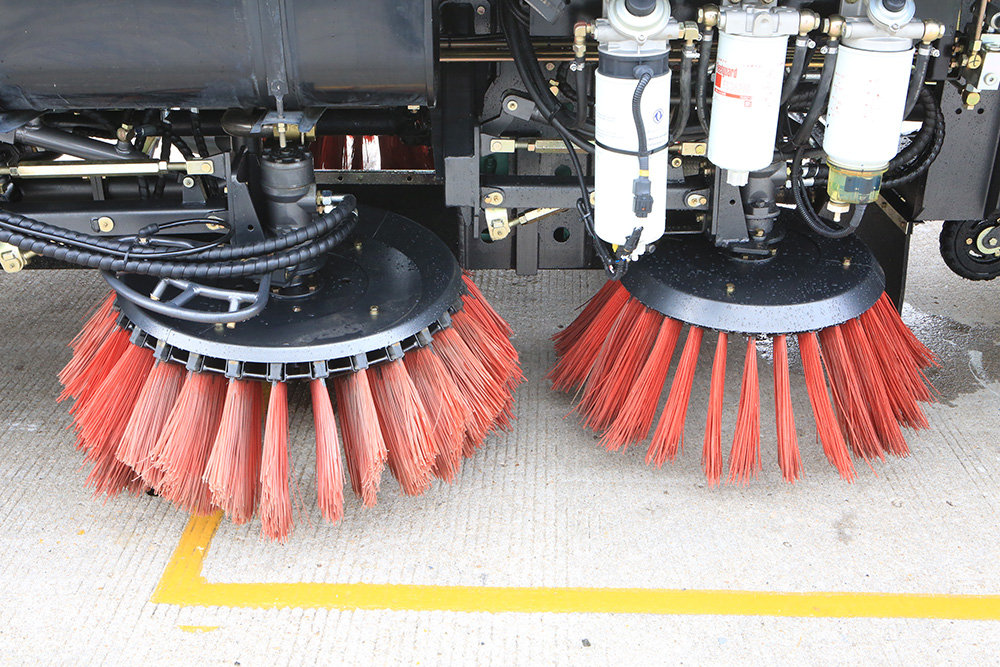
[[146, 255]]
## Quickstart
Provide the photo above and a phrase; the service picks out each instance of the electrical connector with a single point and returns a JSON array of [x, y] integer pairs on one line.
[[642, 202]]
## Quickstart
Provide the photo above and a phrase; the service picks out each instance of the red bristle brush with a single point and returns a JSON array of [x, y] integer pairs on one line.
[[744, 458], [329, 468], [275, 499], [445, 407], [669, 434], [788, 441], [711, 453], [618, 365], [875, 387], [81, 385], [102, 419], [827, 429], [85, 344], [409, 438], [233, 469], [476, 386], [363, 441], [182, 451], [639, 404], [155, 403]]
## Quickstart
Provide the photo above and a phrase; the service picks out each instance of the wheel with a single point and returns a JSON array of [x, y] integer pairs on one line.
[[963, 251]]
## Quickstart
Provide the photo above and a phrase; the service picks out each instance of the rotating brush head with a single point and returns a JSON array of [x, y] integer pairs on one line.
[[617, 356], [419, 380]]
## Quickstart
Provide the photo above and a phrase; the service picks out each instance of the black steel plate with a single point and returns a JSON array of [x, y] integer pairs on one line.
[[805, 287], [400, 267]]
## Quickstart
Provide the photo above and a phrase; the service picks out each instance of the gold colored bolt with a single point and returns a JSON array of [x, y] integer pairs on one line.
[[357, 246], [105, 224], [511, 105], [206, 167], [230, 325], [373, 310], [759, 233], [730, 288], [297, 309], [993, 242], [694, 200], [971, 99], [480, 10], [676, 162], [699, 149], [493, 199], [549, 67], [968, 241], [846, 263]]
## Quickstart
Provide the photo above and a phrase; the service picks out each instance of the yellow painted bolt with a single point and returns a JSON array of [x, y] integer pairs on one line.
[[730, 288], [105, 224], [846, 263], [373, 310]]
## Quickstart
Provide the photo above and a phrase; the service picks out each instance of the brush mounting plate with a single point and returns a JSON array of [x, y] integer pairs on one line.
[[385, 290], [811, 283]]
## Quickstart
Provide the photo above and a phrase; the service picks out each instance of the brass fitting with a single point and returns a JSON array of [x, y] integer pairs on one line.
[[580, 32], [708, 16], [970, 99], [932, 30], [835, 25], [690, 32], [808, 21]]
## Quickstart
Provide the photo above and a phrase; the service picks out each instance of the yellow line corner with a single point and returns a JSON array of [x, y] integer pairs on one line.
[[183, 584]]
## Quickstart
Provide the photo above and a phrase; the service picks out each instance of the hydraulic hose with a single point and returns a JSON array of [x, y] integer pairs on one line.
[[341, 222], [917, 77], [801, 138], [798, 67], [701, 90], [805, 207], [684, 86]]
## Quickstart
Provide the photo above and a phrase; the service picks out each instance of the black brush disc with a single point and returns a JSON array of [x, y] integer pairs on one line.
[[387, 288], [811, 282]]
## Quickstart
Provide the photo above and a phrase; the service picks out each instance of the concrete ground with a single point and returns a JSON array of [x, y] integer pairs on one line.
[[810, 573]]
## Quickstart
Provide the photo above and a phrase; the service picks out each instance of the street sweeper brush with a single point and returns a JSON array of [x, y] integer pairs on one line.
[[420, 365], [826, 293]]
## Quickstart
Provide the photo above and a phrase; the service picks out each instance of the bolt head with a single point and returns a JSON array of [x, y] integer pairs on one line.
[[480, 10], [188, 182], [511, 105], [373, 310], [730, 288], [676, 162], [105, 224]]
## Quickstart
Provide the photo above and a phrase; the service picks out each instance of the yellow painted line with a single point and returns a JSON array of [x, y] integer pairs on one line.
[[197, 628], [183, 584]]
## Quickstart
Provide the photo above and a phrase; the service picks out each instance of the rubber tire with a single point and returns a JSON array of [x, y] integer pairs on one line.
[[956, 253]]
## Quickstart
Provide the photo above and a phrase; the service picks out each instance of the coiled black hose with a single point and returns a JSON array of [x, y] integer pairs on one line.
[[338, 224]]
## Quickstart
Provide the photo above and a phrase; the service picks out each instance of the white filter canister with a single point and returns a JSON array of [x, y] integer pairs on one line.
[[614, 218], [749, 72], [865, 112]]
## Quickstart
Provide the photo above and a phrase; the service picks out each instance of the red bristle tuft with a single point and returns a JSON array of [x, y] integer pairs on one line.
[[156, 401], [275, 500], [182, 452], [83, 385], [488, 400], [446, 410], [329, 468], [874, 387], [617, 364], [567, 338], [477, 302], [827, 429], [613, 390], [405, 427], [109, 477], [744, 458], [86, 343], [848, 396], [581, 352], [902, 374], [890, 316], [635, 417], [495, 353], [363, 441], [101, 421], [788, 442], [711, 455], [669, 434], [233, 469]]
